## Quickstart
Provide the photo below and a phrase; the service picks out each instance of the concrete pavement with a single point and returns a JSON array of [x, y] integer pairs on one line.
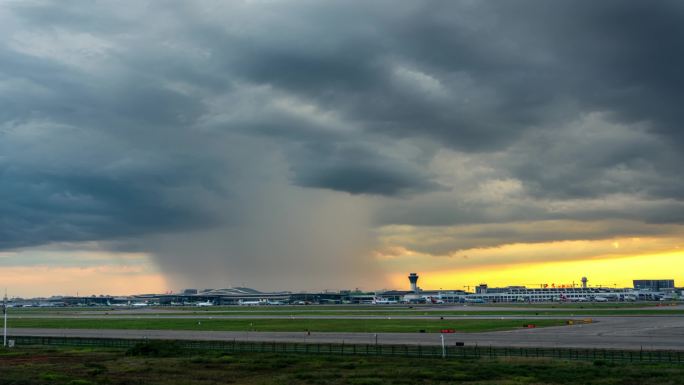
[[650, 333]]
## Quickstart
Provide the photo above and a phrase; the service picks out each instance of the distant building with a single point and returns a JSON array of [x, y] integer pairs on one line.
[[654, 284], [556, 294]]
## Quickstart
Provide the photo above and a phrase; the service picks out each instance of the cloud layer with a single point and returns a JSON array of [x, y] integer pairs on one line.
[[280, 143]]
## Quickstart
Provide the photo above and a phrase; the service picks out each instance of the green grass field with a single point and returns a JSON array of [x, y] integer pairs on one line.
[[422, 307], [299, 311], [585, 305], [42, 366], [313, 325], [437, 313]]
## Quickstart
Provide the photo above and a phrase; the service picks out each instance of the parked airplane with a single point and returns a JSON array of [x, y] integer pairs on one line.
[[568, 299], [251, 303], [139, 304], [274, 303], [383, 301], [203, 304]]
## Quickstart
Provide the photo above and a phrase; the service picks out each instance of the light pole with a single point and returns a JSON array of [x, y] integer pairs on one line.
[[443, 347], [4, 316]]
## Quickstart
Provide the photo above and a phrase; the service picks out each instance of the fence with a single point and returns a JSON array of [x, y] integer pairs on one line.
[[430, 351]]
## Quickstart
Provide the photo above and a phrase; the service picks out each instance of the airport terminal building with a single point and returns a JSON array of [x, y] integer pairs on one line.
[[654, 284], [643, 290]]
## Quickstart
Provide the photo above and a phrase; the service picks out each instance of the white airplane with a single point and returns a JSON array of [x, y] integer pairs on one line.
[[275, 303], [600, 299], [250, 303], [139, 304], [203, 304], [383, 301]]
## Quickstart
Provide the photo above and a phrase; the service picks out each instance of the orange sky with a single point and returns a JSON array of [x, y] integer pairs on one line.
[[106, 279], [610, 272], [607, 262]]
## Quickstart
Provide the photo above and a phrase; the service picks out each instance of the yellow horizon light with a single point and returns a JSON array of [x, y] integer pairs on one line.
[[607, 272]]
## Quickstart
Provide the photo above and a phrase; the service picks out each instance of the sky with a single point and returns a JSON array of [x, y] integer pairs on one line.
[[305, 145]]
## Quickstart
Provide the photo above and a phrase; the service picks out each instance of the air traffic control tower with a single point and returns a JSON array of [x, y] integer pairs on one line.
[[413, 278]]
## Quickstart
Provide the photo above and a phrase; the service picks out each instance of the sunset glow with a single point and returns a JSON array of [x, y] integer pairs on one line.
[[611, 272], [309, 146]]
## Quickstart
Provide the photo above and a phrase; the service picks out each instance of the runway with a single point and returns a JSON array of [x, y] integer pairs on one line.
[[634, 332]]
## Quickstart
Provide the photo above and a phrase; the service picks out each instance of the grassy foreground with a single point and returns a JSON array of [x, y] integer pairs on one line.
[[287, 325], [38, 366]]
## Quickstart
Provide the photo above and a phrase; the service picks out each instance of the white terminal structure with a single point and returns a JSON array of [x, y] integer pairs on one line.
[[642, 290]]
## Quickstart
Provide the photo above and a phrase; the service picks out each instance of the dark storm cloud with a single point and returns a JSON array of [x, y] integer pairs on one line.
[[478, 77], [503, 67], [362, 179], [449, 241], [129, 121], [622, 57], [41, 208]]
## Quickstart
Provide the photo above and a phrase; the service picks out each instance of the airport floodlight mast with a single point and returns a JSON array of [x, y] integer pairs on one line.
[[4, 316]]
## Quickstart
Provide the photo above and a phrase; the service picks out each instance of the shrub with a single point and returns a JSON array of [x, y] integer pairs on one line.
[[80, 382], [155, 349]]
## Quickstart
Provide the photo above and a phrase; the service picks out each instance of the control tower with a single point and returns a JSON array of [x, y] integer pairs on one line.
[[413, 278], [584, 282]]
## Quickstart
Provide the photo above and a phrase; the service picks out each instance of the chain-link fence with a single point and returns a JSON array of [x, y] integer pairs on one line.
[[452, 351]]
